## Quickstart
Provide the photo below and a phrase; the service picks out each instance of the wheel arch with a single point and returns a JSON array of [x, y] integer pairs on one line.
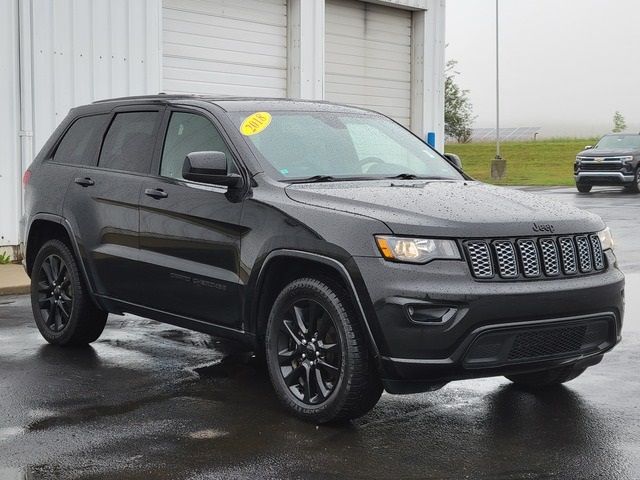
[[272, 277], [46, 226]]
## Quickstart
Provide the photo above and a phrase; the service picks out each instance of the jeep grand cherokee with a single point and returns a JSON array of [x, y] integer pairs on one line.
[[329, 238]]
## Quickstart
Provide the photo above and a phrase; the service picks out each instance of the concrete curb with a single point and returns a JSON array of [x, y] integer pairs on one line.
[[14, 280], [18, 290]]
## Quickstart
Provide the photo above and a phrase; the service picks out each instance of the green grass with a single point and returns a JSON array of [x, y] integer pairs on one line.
[[543, 162]]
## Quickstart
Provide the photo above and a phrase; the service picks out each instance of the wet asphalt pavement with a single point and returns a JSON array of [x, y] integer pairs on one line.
[[156, 402]]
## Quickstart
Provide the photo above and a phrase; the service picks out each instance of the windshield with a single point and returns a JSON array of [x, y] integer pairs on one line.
[[331, 146], [619, 142]]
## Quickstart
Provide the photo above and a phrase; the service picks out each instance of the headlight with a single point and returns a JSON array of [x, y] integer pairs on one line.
[[627, 159], [606, 240], [416, 250]]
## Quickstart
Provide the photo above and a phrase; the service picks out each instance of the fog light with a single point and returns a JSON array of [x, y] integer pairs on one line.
[[430, 313]]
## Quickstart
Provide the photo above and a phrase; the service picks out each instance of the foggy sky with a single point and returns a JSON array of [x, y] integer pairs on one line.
[[566, 65]]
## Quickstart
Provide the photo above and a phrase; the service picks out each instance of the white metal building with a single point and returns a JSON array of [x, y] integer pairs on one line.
[[387, 55]]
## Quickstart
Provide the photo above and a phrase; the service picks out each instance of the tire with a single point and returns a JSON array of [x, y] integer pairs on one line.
[[583, 188], [62, 309], [313, 328], [546, 378], [634, 187]]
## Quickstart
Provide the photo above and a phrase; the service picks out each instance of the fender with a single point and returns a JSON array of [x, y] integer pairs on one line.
[[335, 265], [50, 217]]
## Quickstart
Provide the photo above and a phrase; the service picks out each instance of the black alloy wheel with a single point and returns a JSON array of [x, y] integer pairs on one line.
[[309, 352], [318, 354], [55, 293], [63, 310]]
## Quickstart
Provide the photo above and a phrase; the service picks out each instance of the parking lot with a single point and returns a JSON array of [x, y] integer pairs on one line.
[[154, 401]]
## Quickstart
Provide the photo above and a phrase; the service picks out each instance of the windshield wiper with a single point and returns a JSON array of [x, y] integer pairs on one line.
[[315, 179], [412, 176], [405, 176]]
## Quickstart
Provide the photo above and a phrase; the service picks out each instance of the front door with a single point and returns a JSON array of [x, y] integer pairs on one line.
[[189, 232]]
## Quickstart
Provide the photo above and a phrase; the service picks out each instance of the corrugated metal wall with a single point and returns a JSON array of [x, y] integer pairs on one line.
[[225, 47], [10, 168], [85, 50], [368, 57]]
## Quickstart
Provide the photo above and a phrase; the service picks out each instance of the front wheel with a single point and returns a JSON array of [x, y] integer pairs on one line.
[[634, 187], [63, 311], [317, 353], [582, 188], [546, 378]]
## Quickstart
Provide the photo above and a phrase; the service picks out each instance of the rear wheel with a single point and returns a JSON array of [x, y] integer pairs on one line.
[[583, 188], [317, 353], [546, 378], [63, 311]]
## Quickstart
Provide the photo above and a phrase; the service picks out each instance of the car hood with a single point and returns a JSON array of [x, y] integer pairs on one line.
[[608, 153], [462, 209]]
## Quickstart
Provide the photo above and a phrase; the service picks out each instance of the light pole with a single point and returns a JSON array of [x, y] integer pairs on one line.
[[498, 164]]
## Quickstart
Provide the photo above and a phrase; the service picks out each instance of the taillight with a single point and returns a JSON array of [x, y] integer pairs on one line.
[[26, 177]]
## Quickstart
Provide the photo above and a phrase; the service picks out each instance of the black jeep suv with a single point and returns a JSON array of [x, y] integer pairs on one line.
[[615, 160], [327, 238]]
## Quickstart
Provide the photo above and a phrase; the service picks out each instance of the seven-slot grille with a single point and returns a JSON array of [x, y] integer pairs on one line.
[[535, 257]]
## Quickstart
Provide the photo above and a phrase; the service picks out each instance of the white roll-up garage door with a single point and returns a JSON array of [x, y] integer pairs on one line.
[[368, 57], [225, 47]]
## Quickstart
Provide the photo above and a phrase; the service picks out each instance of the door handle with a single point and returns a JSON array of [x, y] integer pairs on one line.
[[84, 182], [156, 193]]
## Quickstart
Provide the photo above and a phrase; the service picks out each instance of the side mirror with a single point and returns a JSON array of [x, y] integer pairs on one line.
[[209, 167], [588, 147], [454, 160]]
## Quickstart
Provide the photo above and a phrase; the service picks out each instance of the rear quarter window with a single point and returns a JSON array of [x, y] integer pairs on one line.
[[80, 143]]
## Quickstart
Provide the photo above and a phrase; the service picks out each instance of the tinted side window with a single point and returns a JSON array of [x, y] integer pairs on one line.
[[188, 132], [129, 142], [81, 142]]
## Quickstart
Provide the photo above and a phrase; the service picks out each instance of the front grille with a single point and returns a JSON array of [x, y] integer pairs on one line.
[[480, 257], [600, 167], [531, 258]]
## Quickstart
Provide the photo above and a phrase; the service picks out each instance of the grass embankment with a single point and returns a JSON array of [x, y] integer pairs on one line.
[[541, 162]]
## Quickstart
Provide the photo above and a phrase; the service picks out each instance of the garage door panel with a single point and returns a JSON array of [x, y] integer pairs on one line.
[[225, 47], [379, 28], [399, 54], [185, 66], [373, 91], [386, 84], [271, 13], [198, 88], [367, 72], [368, 57], [213, 43], [223, 76], [226, 32], [224, 56], [375, 63]]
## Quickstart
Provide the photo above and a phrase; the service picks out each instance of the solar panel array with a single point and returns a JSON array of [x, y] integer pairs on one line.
[[517, 133], [489, 134]]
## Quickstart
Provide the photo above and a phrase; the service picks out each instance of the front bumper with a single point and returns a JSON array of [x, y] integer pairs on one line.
[[604, 178], [421, 355]]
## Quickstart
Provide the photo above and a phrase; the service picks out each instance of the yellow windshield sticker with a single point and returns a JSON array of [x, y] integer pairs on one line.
[[255, 123]]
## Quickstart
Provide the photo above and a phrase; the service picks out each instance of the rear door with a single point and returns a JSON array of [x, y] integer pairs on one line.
[[102, 201], [190, 232]]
